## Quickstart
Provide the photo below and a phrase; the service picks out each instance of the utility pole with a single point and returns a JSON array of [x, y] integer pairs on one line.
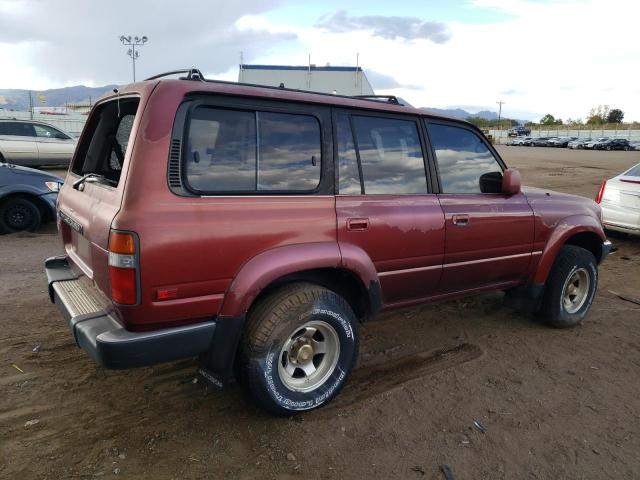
[[133, 42], [500, 103], [30, 105]]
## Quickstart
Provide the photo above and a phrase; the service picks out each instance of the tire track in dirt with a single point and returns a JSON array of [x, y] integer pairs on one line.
[[370, 381]]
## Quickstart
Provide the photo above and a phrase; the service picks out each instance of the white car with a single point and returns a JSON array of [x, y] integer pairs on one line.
[[619, 199], [31, 143]]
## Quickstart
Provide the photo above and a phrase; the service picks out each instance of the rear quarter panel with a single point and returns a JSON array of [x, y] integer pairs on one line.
[[197, 245]]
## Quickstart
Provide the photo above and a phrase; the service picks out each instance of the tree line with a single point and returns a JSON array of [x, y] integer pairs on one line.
[[599, 115]]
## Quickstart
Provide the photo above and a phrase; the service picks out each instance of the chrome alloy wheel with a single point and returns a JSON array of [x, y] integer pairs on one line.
[[576, 290], [309, 356]]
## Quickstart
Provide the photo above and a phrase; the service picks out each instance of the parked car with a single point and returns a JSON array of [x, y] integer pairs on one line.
[[27, 198], [31, 143], [634, 145], [619, 198], [519, 132], [613, 144], [542, 141], [258, 228], [560, 142], [521, 141], [593, 143], [578, 143]]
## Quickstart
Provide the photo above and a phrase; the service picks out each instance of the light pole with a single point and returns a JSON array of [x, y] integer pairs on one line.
[[133, 42]]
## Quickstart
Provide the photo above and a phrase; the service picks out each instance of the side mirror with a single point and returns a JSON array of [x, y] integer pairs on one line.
[[511, 182]]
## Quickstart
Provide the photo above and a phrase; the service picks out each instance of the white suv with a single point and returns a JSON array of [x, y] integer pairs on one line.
[[29, 143]]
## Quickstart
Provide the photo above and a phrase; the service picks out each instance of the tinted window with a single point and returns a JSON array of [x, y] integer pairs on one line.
[[19, 129], [462, 157], [349, 177], [288, 152], [390, 155], [230, 150]]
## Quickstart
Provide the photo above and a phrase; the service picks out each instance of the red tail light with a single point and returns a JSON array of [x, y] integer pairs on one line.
[[123, 267], [603, 185]]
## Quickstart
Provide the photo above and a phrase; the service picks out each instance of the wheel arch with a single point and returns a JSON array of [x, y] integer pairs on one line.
[[582, 231], [347, 273]]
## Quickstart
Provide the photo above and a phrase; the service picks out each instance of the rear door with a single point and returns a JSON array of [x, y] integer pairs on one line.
[[54, 147], [489, 234], [87, 209], [17, 143], [384, 204]]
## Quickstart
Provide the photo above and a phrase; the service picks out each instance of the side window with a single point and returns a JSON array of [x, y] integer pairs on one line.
[[288, 152], [20, 129], [46, 131], [237, 151], [390, 155], [348, 175], [465, 164]]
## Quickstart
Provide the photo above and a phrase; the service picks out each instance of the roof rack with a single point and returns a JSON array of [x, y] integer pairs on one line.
[[379, 98], [192, 74], [195, 74]]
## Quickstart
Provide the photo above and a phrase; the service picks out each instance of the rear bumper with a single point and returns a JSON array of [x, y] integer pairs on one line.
[[98, 332]]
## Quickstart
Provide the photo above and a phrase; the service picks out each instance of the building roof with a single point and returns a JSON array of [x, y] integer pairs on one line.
[[306, 68]]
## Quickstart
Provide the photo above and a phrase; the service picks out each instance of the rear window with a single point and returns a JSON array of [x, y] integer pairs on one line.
[[634, 172], [252, 151], [106, 140]]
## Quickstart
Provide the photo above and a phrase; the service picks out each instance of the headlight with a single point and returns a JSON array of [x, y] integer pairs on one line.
[[53, 186]]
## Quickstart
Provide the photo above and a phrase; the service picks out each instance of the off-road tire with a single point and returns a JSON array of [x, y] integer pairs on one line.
[[269, 326], [19, 214], [570, 259]]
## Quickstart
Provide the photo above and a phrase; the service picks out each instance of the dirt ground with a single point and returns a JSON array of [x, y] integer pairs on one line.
[[554, 403]]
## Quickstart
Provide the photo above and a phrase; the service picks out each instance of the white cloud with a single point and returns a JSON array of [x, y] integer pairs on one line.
[[560, 57]]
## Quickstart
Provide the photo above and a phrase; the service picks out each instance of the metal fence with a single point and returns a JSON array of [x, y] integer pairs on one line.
[[70, 122], [629, 134]]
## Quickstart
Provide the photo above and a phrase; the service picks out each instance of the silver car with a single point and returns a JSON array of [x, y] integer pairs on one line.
[[31, 143]]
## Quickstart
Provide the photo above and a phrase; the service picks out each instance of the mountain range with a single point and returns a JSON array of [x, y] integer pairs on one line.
[[16, 99]]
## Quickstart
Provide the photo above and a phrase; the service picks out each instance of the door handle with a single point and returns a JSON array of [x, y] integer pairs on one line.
[[358, 224], [460, 220]]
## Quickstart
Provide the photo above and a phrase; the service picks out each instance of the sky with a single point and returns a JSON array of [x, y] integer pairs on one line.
[[559, 56]]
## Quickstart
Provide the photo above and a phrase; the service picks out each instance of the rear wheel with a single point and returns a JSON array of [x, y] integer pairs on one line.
[[300, 345], [18, 214], [570, 288]]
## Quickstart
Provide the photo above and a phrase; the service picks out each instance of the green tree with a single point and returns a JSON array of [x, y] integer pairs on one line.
[[548, 119], [598, 115], [615, 116]]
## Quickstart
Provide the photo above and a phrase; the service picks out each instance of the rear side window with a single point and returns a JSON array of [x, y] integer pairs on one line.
[[348, 174], [18, 129], [465, 164], [390, 155], [105, 140], [250, 151]]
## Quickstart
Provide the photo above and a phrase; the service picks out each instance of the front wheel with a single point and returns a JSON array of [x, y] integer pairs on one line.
[[570, 288], [18, 214], [300, 345]]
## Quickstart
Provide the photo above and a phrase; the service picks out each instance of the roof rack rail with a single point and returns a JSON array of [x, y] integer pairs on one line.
[[192, 74], [195, 74], [379, 98]]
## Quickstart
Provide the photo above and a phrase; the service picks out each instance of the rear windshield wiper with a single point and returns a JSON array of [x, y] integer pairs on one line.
[[94, 177]]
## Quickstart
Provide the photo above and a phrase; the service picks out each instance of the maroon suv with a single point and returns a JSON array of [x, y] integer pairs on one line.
[[258, 227]]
